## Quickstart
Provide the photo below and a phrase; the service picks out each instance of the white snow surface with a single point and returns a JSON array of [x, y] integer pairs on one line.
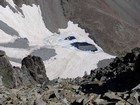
[[69, 61]]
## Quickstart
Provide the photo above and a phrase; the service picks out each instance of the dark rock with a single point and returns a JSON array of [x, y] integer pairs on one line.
[[84, 46], [123, 74], [34, 65], [6, 70], [54, 19], [2, 53], [45, 84], [3, 3], [52, 96], [32, 72], [136, 51], [22, 77], [14, 77], [76, 103]]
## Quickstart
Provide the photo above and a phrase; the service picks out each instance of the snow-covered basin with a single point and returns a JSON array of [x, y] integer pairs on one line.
[[69, 61]]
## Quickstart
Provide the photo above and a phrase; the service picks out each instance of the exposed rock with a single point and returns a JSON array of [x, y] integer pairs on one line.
[[32, 87], [6, 70], [112, 24], [121, 75], [1, 84], [22, 77], [32, 72], [2, 53], [3, 3], [39, 102], [11, 77], [134, 97], [34, 65], [54, 19]]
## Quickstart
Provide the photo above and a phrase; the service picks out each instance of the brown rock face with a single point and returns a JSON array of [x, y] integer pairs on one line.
[[113, 24]]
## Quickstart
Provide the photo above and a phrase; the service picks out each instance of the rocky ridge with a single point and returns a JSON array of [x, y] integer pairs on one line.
[[31, 72], [116, 84], [121, 75]]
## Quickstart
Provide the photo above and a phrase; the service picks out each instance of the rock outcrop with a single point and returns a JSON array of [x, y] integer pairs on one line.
[[65, 92], [123, 74], [3, 3], [35, 66], [32, 72], [6, 70], [22, 77], [115, 84]]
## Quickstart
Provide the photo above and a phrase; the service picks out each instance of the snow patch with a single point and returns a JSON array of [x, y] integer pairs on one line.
[[68, 61]]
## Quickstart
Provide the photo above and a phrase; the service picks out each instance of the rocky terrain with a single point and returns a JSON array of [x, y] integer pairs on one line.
[[113, 24], [116, 84], [40, 61]]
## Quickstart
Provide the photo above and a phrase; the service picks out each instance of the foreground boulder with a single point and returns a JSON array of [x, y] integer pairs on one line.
[[123, 74], [32, 72], [6, 70], [35, 66]]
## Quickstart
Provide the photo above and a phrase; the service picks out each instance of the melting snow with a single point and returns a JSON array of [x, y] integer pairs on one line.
[[69, 61]]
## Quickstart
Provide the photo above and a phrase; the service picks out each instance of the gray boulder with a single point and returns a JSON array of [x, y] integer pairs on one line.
[[6, 70], [22, 77], [35, 66], [32, 72]]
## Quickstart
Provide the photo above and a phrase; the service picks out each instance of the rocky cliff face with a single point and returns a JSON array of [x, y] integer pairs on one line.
[[113, 24], [32, 72], [34, 65]]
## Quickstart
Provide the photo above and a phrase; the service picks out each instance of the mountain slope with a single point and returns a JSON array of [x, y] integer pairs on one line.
[[113, 24], [51, 12], [23, 32]]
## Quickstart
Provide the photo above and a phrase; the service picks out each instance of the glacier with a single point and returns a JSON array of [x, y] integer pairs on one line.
[[67, 62]]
